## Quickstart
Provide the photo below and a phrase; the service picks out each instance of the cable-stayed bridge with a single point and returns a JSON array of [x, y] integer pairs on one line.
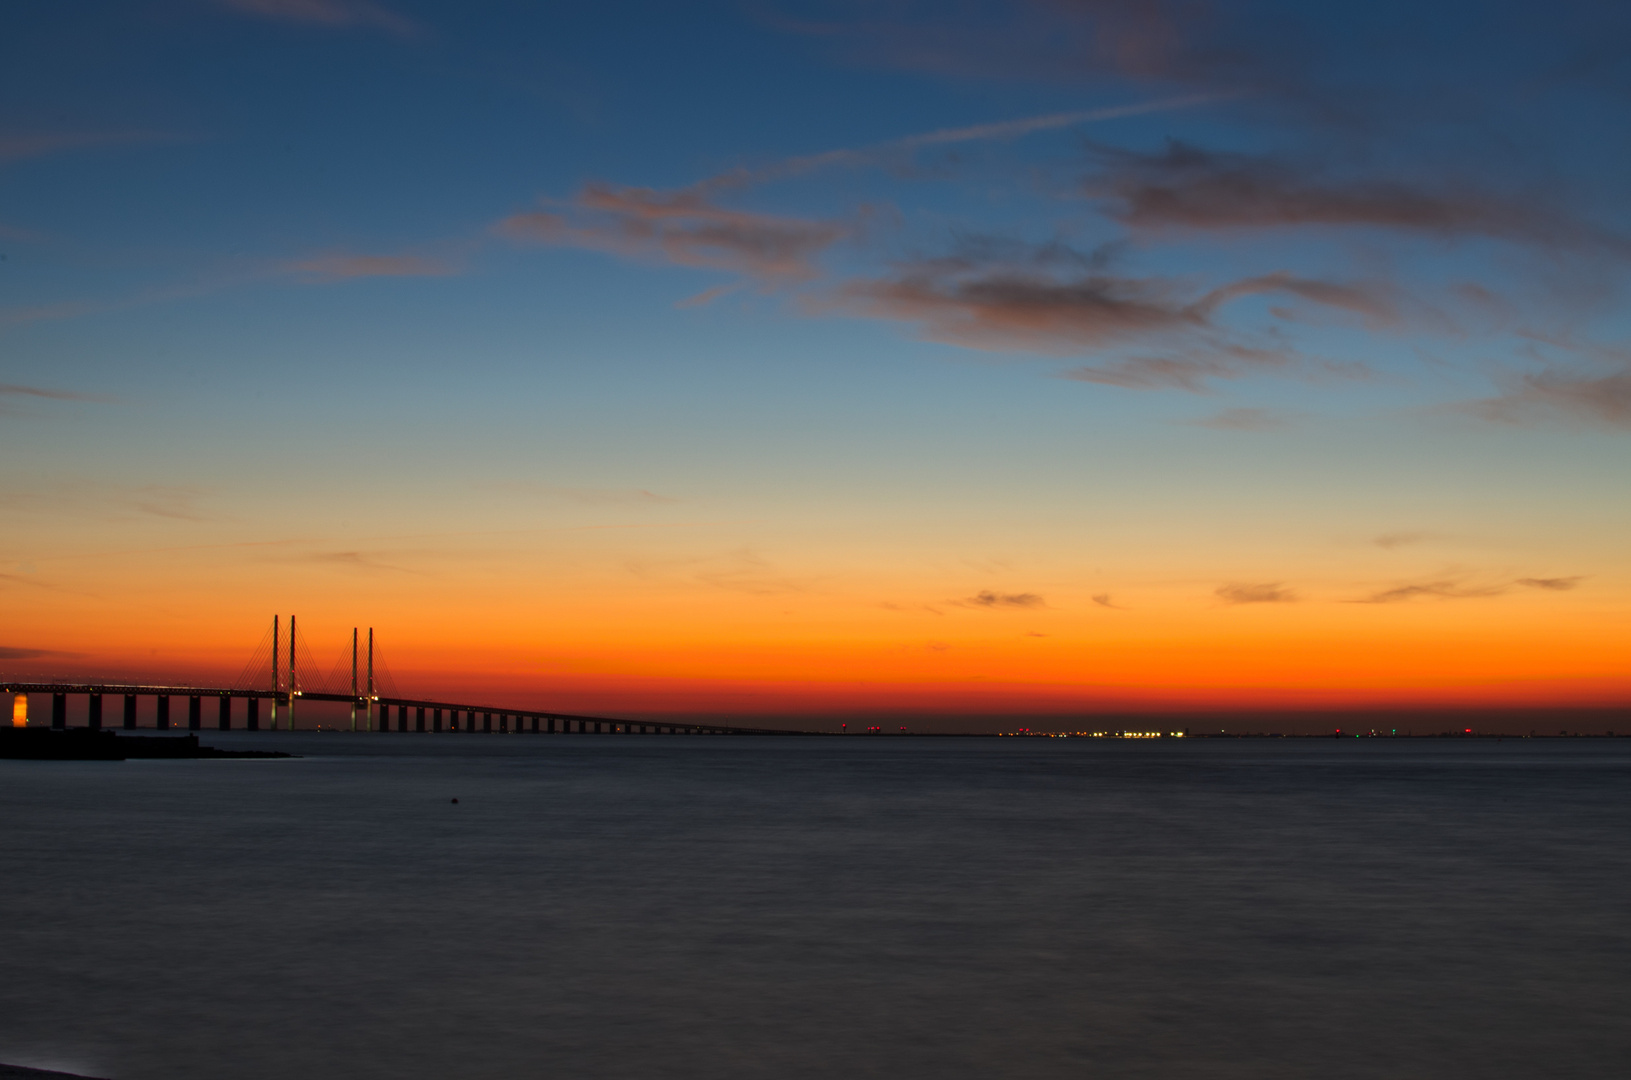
[[281, 674]]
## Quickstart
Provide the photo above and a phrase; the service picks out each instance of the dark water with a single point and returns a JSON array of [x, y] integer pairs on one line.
[[723, 908]]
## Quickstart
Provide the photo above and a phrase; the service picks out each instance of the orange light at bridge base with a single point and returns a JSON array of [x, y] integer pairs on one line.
[[19, 711]]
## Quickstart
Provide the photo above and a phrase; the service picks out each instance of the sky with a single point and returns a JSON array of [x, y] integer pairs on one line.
[[806, 361]]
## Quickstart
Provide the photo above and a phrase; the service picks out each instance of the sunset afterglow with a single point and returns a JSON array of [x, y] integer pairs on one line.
[[1145, 365]]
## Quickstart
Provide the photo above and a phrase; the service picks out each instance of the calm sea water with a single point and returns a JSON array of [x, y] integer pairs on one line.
[[669, 907]]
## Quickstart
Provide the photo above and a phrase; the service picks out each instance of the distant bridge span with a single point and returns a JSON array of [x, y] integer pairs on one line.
[[291, 679], [368, 712]]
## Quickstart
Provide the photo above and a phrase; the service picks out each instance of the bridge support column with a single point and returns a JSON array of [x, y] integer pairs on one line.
[[419, 720], [486, 721], [436, 720], [195, 713], [402, 718], [130, 712], [161, 712], [535, 725], [253, 720], [226, 712], [59, 711], [93, 712]]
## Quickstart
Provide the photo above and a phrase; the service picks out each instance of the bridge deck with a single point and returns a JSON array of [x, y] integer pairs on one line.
[[282, 697]]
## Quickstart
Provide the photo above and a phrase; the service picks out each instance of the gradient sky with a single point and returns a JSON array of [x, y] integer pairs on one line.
[[784, 357]]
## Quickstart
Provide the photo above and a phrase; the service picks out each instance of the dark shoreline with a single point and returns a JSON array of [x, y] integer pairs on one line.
[[89, 744], [20, 1072]]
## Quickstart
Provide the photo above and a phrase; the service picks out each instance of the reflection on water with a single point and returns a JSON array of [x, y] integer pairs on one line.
[[722, 908]]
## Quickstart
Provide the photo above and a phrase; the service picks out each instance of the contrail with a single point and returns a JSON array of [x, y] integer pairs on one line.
[[1006, 129]]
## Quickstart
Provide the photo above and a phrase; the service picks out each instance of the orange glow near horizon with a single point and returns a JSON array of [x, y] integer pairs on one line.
[[843, 657], [19, 711], [657, 622]]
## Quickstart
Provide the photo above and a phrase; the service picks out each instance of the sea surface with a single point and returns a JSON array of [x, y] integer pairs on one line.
[[713, 907]]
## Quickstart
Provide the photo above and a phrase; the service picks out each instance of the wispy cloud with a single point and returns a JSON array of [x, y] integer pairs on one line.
[[1442, 589], [355, 561], [986, 598], [1459, 589], [1562, 394], [1246, 419], [1178, 371], [707, 296], [18, 146], [1001, 308], [1050, 299], [326, 13], [1271, 592], [13, 652], [1187, 187], [169, 501], [1104, 600], [889, 605], [746, 571], [1398, 539], [588, 496], [46, 392], [344, 266], [684, 228], [1551, 584]]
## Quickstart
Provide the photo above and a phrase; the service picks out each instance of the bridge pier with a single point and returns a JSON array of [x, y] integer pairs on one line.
[[161, 718], [195, 713], [93, 712], [59, 711], [419, 720], [226, 712], [402, 718], [253, 720], [486, 721], [436, 720], [130, 712]]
